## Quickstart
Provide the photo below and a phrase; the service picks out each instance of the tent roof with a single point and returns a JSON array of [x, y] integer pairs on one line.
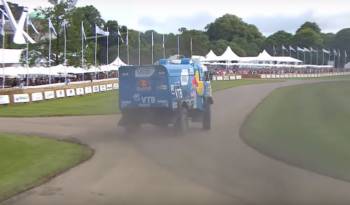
[[117, 62], [211, 56], [229, 55], [264, 56]]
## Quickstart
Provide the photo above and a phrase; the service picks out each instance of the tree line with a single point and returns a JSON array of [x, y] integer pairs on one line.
[[229, 30]]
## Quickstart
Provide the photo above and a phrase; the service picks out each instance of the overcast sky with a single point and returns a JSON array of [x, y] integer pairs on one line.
[[268, 15]]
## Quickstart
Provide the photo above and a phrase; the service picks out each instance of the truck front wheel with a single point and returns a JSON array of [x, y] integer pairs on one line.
[[182, 122], [207, 117]]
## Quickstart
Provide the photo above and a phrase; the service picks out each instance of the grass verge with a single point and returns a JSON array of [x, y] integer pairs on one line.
[[305, 125], [26, 162], [95, 104]]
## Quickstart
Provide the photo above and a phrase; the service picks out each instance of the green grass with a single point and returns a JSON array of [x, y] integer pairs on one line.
[[305, 125], [222, 85], [95, 104], [26, 162]]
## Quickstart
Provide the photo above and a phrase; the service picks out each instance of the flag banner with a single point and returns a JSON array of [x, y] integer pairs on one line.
[[300, 49], [306, 50], [345, 54], [30, 23], [313, 50], [98, 30], [284, 48], [335, 52], [52, 27], [2, 23], [120, 36], [339, 53], [163, 42], [326, 51], [291, 48], [83, 31]]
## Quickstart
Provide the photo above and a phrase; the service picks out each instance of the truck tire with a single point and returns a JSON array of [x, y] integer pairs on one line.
[[182, 122], [207, 117]]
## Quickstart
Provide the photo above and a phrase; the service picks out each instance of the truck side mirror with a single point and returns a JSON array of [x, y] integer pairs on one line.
[[208, 76]]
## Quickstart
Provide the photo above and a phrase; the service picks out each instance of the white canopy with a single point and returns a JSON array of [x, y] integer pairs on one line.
[[264, 56], [117, 62], [229, 55], [211, 56]]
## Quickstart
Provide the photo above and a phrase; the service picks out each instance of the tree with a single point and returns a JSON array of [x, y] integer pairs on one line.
[[307, 37], [311, 25], [279, 38]]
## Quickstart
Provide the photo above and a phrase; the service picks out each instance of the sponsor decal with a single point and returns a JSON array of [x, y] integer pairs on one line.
[[184, 77], [60, 94], [80, 91], [49, 95], [21, 98], [148, 100], [37, 97], [198, 84], [88, 90], [136, 97], [103, 88], [70, 92], [96, 89], [4, 99], [144, 72], [109, 86]]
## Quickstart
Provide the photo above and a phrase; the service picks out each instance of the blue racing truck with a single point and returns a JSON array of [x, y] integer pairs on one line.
[[172, 92]]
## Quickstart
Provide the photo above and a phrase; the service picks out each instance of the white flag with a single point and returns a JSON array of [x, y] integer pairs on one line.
[[306, 50], [83, 31], [163, 41], [300, 49], [30, 23], [326, 51], [52, 27], [345, 54], [98, 30], [335, 52], [291, 48], [284, 48], [2, 24]]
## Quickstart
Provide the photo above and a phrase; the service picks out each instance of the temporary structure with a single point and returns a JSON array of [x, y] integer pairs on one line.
[[229, 55]]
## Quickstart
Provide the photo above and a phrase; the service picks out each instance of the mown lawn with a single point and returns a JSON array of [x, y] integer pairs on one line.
[[26, 162], [94, 104], [305, 125]]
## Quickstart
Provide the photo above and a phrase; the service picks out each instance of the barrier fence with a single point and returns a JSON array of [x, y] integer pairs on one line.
[[41, 94], [296, 75]]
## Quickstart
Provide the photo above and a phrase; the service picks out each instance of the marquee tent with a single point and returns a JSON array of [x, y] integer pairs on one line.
[[211, 56], [229, 55]]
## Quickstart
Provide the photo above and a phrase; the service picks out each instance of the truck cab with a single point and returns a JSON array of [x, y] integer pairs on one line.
[[169, 93]]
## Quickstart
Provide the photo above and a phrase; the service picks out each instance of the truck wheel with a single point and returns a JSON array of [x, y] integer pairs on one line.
[[207, 117], [182, 122]]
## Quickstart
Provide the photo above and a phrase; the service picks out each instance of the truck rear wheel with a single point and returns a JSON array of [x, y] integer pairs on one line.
[[207, 117], [182, 122]]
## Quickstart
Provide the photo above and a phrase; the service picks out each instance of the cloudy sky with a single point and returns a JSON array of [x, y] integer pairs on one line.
[[269, 15]]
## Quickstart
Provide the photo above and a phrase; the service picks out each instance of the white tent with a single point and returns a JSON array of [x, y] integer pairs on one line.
[[229, 55], [117, 62], [264, 56], [211, 56]]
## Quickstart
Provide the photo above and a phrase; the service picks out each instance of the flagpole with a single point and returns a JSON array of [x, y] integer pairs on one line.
[[95, 54], [152, 48], [139, 48], [163, 47], [339, 58], [178, 45], [118, 46], [65, 51], [107, 48], [3, 46], [191, 47], [49, 55], [127, 46], [82, 45], [27, 55]]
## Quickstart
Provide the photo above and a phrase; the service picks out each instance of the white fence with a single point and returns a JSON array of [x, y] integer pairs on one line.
[[295, 75], [227, 77], [52, 94]]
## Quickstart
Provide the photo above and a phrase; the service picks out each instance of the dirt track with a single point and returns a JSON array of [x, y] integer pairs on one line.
[[157, 167]]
